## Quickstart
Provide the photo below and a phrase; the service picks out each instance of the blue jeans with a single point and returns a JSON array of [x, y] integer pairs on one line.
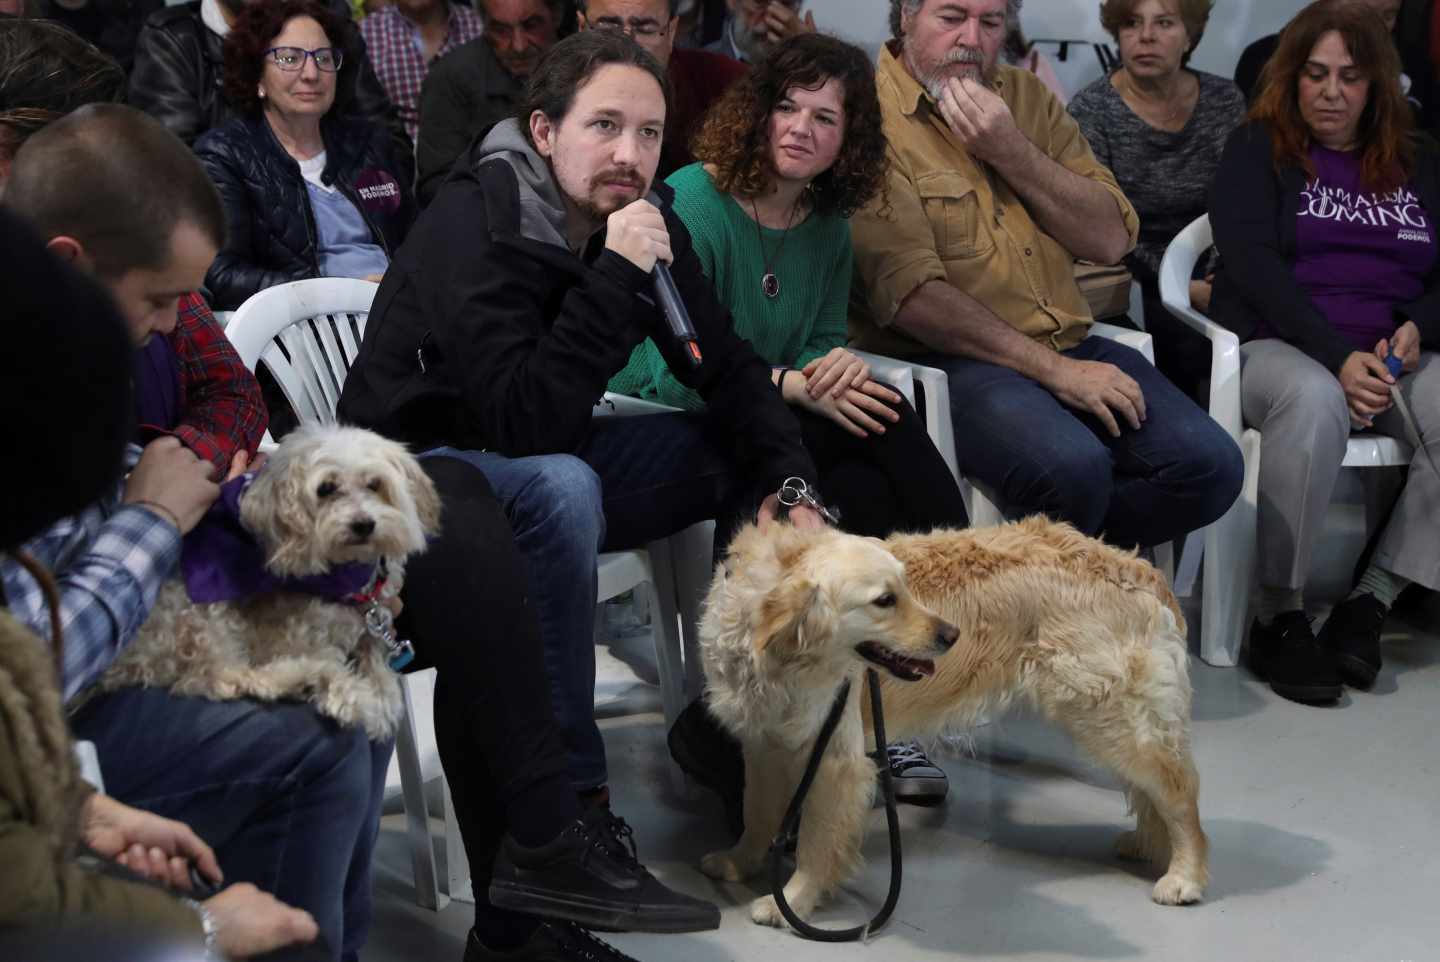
[[1179, 472], [289, 800], [632, 481]]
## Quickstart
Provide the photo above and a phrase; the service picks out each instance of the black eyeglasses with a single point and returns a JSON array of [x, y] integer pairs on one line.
[[293, 58]]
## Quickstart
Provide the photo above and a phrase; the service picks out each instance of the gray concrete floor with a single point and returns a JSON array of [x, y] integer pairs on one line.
[[1323, 822]]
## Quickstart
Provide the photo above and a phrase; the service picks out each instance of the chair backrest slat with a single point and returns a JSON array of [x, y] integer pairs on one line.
[[307, 334]]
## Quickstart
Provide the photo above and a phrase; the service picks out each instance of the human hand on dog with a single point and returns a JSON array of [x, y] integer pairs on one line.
[[154, 848], [251, 922], [806, 519], [170, 477]]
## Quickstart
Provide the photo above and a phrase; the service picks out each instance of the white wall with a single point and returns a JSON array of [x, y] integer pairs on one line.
[[1233, 24]]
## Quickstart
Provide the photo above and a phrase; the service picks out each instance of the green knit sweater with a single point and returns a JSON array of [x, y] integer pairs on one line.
[[804, 322]]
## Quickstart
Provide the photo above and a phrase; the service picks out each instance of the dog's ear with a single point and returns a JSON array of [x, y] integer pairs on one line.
[[422, 489], [274, 510], [792, 617]]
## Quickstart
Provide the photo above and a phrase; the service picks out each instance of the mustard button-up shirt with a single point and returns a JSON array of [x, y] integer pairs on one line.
[[947, 216]]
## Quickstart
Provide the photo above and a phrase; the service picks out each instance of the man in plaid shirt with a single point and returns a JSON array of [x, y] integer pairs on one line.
[[404, 37], [288, 800], [115, 554]]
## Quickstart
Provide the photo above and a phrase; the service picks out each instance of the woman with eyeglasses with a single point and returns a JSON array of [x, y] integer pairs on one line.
[[310, 190]]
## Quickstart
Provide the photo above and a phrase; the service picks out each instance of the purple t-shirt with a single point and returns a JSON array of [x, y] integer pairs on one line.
[[1359, 253]]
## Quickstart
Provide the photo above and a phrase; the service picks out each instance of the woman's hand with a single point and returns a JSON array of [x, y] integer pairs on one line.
[[836, 372], [152, 847], [861, 411], [1404, 344], [1366, 383]]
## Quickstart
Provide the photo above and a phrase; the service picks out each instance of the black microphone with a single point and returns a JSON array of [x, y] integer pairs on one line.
[[667, 295], [677, 317]]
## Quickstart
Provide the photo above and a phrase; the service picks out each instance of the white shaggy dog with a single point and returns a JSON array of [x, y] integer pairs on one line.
[[1088, 635], [328, 496]]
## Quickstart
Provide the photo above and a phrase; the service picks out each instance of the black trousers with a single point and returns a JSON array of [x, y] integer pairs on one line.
[[896, 481], [468, 613]]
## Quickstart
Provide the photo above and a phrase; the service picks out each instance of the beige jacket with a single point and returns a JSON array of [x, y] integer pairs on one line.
[[41, 795]]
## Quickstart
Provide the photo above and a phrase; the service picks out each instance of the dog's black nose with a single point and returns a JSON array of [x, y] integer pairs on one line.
[[946, 635], [362, 527]]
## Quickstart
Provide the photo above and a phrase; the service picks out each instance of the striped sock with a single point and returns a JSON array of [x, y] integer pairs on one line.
[[1384, 585]]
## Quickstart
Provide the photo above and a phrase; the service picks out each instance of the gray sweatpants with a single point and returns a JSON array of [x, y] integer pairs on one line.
[[1299, 409]]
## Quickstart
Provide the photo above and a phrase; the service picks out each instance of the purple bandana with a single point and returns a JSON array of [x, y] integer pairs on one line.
[[221, 561]]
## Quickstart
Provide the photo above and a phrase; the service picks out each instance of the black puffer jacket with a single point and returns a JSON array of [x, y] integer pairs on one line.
[[489, 333], [179, 72], [269, 225]]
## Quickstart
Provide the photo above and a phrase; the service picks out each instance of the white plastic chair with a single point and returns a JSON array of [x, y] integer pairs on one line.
[[307, 334], [1229, 545]]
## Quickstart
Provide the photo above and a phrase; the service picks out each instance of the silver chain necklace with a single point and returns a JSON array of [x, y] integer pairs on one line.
[[769, 283]]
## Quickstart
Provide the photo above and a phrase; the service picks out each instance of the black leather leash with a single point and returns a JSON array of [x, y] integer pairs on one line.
[[791, 824]]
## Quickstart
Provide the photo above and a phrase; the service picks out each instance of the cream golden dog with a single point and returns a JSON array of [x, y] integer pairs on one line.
[[328, 496], [1089, 636]]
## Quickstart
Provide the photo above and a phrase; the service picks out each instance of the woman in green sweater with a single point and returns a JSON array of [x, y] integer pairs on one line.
[[789, 153]]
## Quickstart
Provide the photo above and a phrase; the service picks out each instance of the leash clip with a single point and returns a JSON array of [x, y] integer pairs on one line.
[[794, 492], [380, 623]]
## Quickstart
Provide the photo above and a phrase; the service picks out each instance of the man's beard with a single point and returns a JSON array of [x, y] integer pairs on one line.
[[597, 212], [935, 79], [750, 42]]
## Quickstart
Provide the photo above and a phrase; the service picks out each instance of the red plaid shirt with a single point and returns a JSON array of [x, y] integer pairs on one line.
[[220, 398], [395, 50]]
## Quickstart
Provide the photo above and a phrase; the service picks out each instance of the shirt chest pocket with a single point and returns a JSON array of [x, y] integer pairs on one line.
[[952, 206]]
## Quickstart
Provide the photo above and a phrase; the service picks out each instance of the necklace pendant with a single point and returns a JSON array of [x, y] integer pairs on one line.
[[770, 284]]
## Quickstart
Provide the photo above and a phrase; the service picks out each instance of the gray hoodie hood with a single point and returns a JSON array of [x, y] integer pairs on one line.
[[542, 212]]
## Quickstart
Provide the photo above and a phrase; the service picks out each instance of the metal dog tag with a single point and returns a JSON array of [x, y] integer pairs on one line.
[[381, 624]]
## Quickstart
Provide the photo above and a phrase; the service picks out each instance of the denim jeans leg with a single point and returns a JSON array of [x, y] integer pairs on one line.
[[660, 473], [283, 795], [554, 505], [357, 896], [1176, 474], [1018, 440]]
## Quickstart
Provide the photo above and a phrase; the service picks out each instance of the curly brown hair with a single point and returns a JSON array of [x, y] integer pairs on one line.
[[735, 136], [256, 27], [1387, 148]]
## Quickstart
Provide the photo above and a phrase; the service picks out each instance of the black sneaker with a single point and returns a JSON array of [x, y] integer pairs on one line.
[[712, 756], [917, 780], [590, 875], [1287, 655], [1352, 636], [552, 942]]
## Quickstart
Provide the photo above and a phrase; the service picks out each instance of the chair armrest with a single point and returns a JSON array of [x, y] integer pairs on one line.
[[1224, 363], [892, 371], [1139, 340], [623, 406], [936, 386]]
